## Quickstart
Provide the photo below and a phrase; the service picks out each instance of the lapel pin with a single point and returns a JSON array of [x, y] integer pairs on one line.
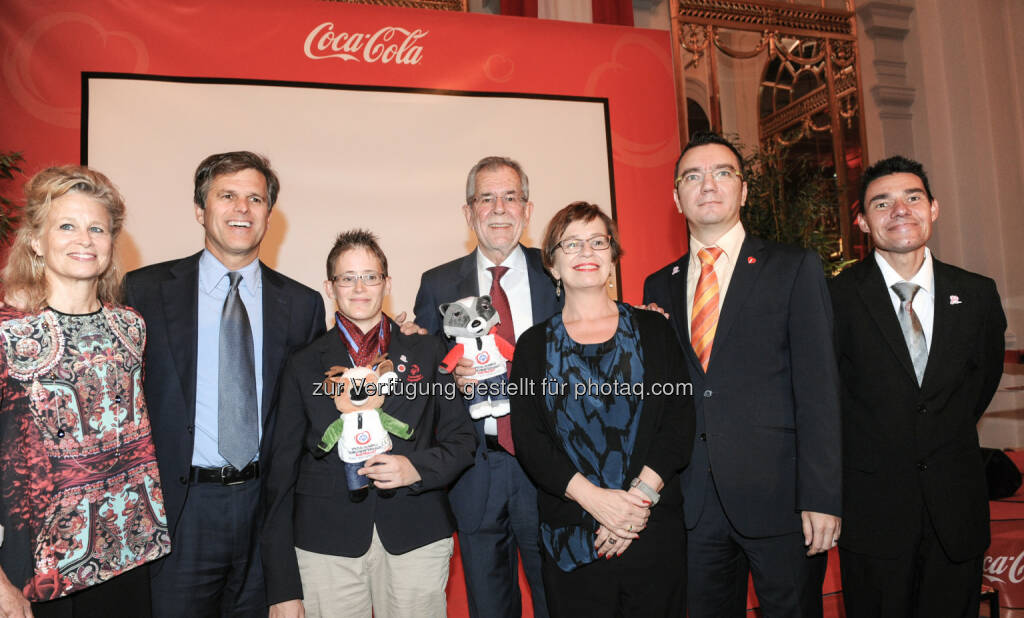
[[751, 260], [403, 358], [675, 270], [954, 299]]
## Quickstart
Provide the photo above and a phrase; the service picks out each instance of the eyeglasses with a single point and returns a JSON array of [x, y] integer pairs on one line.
[[694, 178], [508, 199], [347, 280], [572, 246]]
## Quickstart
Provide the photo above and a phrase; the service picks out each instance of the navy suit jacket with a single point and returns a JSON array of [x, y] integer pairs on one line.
[[167, 296], [452, 281], [908, 447], [768, 406]]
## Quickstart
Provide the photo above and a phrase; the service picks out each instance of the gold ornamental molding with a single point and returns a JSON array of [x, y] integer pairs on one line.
[[438, 5], [758, 16]]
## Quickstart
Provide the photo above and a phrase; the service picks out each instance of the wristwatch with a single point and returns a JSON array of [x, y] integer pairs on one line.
[[646, 490]]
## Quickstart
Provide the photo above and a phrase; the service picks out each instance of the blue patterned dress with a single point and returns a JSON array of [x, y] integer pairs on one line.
[[597, 406]]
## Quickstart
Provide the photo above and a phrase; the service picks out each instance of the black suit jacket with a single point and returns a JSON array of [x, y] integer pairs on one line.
[[768, 406], [167, 296], [452, 281], [907, 447], [306, 494]]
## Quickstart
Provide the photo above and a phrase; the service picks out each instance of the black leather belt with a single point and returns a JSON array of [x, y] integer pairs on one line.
[[227, 475]]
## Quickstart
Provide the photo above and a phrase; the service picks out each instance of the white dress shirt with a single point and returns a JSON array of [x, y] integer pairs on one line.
[[516, 283], [924, 300]]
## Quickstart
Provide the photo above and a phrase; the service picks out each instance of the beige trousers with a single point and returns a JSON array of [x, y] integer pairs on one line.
[[377, 584]]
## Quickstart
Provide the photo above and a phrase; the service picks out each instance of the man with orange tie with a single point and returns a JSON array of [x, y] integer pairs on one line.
[[762, 492]]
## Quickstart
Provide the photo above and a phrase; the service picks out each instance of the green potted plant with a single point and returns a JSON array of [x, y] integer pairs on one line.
[[790, 200]]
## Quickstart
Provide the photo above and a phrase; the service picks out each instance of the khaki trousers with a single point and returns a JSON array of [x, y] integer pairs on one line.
[[377, 584]]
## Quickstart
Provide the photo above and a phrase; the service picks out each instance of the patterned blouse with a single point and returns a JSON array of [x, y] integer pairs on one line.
[[597, 411], [81, 498]]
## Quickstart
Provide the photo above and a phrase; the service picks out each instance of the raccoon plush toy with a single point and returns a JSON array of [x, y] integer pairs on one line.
[[472, 321]]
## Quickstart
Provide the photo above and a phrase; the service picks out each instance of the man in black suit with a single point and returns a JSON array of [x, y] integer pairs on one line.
[[387, 552], [495, 504], [754, 318], [210, 432], [920, 350]]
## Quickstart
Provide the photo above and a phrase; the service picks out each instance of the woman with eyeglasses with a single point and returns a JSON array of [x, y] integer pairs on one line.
[[603, 428], [82, 510], [328, 550]]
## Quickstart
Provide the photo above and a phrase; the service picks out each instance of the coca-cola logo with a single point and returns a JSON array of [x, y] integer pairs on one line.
[[390, 44], [994, 568]]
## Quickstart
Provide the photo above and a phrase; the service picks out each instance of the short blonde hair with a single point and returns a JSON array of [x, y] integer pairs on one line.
[[24, 276]]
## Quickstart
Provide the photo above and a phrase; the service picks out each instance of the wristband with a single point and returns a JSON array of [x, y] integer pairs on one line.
[[646, 490]]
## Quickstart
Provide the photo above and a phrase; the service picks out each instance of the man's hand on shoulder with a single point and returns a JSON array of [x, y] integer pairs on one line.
[[653, 307], [821, 531], [408, 327]]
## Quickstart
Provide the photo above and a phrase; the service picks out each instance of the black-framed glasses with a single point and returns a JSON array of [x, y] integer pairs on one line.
[[572, 246], [508, 199], [347, 280]]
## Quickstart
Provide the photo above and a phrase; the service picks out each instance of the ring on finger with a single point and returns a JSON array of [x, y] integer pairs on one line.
[[612, 541], [629, 528]]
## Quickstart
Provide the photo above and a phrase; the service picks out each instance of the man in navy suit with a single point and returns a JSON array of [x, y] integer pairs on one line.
[[212, 505], [495, 504], [762, 491], [920, 349]]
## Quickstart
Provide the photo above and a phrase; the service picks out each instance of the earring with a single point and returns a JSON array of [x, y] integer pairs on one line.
[[558, 288], [611, 282]]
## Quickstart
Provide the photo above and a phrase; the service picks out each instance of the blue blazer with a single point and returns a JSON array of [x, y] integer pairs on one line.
[[452, 281], [768, 406], [167, 296]]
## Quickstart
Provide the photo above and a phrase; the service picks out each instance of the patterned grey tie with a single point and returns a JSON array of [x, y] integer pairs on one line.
[[911, 326], [237, 412]]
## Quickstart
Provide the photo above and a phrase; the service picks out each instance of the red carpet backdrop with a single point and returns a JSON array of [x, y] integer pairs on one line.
[[371, 115]]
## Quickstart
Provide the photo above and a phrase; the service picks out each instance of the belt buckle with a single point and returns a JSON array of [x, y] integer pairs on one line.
[[224, 476]]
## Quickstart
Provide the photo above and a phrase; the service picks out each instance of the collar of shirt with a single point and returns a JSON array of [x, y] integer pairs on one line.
[[516, 261], [213, 274], [925, 276], [730, 243]]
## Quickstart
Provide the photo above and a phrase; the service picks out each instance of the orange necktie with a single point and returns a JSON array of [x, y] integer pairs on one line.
[[705, 306]]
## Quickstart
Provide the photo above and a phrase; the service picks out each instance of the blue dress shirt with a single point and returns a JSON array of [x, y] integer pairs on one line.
[[213, 290]]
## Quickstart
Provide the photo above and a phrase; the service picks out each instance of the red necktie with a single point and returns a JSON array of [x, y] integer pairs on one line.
[[506, 330]]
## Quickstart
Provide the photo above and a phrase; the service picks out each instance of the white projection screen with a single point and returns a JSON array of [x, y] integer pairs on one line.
[[390, 160]]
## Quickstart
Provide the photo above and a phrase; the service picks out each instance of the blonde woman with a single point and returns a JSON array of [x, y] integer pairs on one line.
[[81, 507]]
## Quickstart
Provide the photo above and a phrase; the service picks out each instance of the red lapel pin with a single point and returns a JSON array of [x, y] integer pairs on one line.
[[751, 260]]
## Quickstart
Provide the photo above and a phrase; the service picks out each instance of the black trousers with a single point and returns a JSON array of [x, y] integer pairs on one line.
[[647, 581], [788, 582], [125, 596], [921, 583], [214, 569]]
